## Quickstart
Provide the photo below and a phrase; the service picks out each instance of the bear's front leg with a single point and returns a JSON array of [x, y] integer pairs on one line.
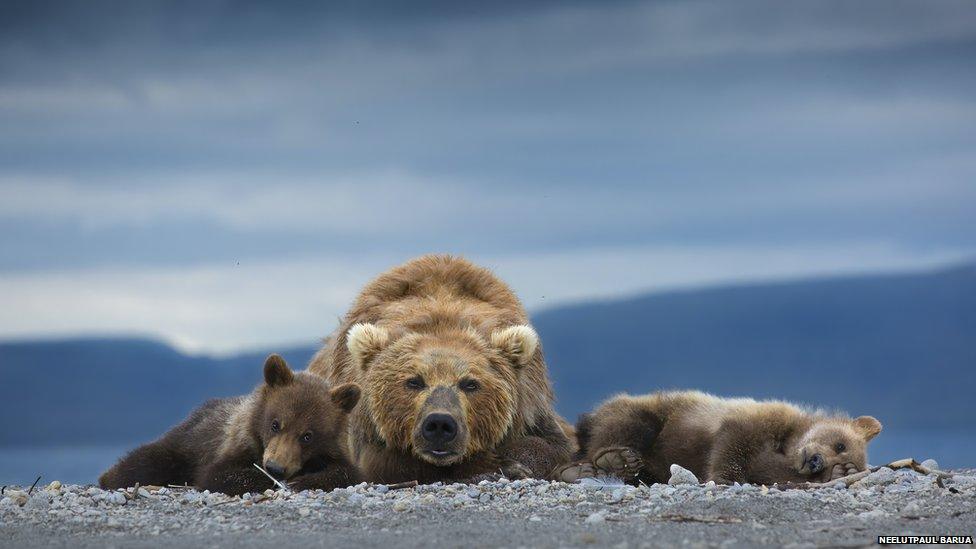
[[536, 454], [233, 479], [335, 475]]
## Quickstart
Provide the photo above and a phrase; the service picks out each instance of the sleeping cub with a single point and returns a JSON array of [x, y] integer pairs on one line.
[[637, 438]]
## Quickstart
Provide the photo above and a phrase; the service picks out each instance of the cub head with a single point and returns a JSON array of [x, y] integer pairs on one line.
[[833, 441], [299, 419], [445, 396]]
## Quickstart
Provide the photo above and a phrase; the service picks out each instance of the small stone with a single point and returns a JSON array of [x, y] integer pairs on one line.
[[382, 489], [872, 515], [401, 505], [535, 518], [38, 502], [616, 496], [485, 497], [54, 486], [680, 475], [596, 518], [930, 464], [304, 511], [882, 476], [912, 510]]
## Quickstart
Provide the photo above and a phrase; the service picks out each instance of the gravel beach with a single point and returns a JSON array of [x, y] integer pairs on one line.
[[530, 513]]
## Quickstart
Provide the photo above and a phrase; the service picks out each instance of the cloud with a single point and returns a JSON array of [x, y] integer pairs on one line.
[[143, 155], [262, 305]]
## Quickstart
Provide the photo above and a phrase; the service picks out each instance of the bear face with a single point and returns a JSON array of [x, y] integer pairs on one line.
[[441, 396], [831, 442], [299, 420]]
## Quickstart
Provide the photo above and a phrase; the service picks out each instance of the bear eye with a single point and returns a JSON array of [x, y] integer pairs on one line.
[[416, 383], [469, 385], [275, 426], [840, 447], [307, 437]]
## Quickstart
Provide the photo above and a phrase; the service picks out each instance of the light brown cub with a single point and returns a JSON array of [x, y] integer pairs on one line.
[[637, 438]]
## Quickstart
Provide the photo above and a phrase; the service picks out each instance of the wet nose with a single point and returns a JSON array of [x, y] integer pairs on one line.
[[816, 463], [439, 428], [275, 470]]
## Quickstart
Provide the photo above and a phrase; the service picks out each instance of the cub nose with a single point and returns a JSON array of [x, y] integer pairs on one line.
[[816, 463], [439, 428], [275, 470]]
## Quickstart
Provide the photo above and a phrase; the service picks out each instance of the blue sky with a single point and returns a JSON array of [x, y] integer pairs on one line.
[[225, 175]]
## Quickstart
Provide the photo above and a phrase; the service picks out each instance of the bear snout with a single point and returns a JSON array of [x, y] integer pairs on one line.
[[439, 429], [274, 469], [816, 463]]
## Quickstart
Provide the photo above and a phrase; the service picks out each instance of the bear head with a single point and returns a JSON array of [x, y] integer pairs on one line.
[[442, 396], [299, 419], [834, 441]]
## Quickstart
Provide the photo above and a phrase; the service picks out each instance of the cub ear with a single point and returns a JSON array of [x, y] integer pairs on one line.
[[517, 343], [867, 427], [346, 396], [277, 372], [364, 341]]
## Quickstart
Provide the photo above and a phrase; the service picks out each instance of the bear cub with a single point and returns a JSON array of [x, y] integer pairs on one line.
[[637, 438], [293, 425]]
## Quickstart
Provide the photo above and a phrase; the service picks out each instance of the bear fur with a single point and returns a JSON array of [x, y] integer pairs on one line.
[[293, 425], [455, 387], [725, 440]]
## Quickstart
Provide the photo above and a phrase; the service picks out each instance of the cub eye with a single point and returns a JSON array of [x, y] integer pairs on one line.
[[275, 426], [416, 383], [840, 447], [307, 437], [469, 385]]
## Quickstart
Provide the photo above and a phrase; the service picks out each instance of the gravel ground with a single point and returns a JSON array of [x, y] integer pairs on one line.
[[506, 513]]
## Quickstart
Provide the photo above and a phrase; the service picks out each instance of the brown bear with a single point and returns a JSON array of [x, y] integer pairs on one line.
[[454, 382], [637, 438], [293, 424]]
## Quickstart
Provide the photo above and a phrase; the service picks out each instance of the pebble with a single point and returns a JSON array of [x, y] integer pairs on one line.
[[401, 505], [930, 464], [887, 494], [882, 476], [681, 476], [596, 518]]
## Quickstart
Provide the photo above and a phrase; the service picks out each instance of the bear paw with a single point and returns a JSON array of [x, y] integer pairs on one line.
[[619, 461], [842, 470], [515, 471], [573, 472]]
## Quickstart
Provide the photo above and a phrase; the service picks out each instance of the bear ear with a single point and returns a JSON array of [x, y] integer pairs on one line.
[[364, 341], [277, 372], [517, 343], [346, 396], [867, 427]]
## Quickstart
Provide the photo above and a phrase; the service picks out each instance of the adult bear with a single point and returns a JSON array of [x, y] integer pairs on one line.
[[455, 387]]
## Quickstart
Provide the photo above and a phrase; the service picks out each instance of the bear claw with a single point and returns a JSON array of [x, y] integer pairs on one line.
[[573, 472], [618, 461]]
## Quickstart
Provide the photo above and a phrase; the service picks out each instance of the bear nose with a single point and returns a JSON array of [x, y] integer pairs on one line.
[[439, 428], [275, 470], [816, 463]]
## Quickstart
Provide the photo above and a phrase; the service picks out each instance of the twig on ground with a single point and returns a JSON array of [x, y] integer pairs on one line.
[[689, 518], [401, 485], [907, 463], [38, 479], [274, 480]]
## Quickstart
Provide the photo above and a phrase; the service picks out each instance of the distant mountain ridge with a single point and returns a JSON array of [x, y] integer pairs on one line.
[[901, 347]]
